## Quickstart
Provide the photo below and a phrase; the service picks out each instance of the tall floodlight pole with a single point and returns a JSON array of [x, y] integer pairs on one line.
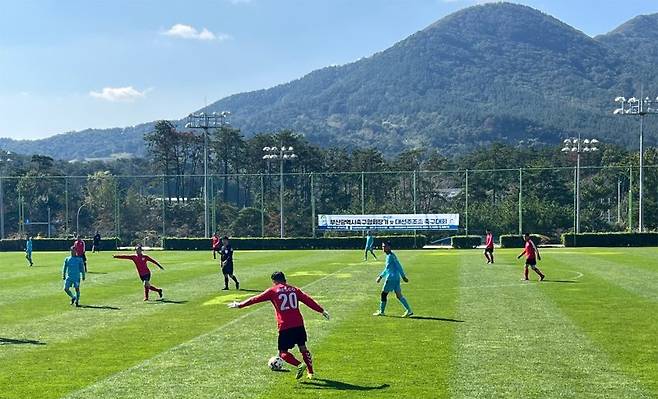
[[282, 154], [641, 108], [206, 121], [579, 146], [5, 160]]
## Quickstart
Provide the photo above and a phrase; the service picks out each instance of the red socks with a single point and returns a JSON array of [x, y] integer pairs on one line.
[[306, 355], [289, 358]]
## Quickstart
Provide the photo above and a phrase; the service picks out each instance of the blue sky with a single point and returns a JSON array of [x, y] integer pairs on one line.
[[72, 64]]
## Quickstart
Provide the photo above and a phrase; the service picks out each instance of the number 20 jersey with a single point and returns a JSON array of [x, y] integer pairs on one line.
[[285, 299]]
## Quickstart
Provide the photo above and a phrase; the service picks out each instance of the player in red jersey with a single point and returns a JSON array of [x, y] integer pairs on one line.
[[489, 247], [285, 299], [80, 250], [144, 272], [531, 253], [216, 245]]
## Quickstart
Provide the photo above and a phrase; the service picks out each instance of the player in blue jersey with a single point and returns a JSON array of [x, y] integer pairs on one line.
[[370, 241], [28, 250], [71, 272], [391, 275]]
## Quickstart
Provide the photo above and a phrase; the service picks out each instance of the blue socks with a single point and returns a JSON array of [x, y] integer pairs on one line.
[[382, 306], [404, 303]]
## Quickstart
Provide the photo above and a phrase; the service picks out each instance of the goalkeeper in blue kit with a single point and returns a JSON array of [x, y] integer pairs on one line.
[[391, 275], [71, 272], [370, 241]]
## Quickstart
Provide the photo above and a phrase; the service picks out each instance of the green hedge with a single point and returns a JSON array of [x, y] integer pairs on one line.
[[610, 240], [399, 242], [54, 244], [465, 242], [516, 241]]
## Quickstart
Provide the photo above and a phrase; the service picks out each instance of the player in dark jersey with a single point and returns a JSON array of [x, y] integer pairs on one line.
[[227, 263], [531, 253], [96, 246], [285, 299]]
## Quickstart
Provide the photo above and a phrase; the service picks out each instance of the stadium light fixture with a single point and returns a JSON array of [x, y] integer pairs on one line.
[[579, 146], [283, 154], [638, 108], [205, 122]]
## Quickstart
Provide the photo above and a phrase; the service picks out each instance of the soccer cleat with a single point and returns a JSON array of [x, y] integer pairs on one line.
[[309, 376], [72, 301], [237, 285], [77, 304], [378, 313], [408, 313], [146, 299], [225, 289], [160, 293], [542, 277], [300, 371]]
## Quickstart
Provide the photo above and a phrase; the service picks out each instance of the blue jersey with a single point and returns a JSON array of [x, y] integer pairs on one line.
[[73, 268], [28, 246], [370, 240], [392, 269]]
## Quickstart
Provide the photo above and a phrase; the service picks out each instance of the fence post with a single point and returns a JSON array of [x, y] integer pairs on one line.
[[164, 226], [363, 195], [262, 207], [415, 207], [66, 206], [117, 215], [312, 205], [630, 198], [575, 194], [2, 209], [520, 201], [466, 213]]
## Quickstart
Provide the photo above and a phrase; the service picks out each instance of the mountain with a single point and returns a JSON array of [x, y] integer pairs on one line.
[[492, 72]]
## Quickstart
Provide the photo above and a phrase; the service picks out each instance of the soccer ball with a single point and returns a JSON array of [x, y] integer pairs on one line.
[[275, 363]]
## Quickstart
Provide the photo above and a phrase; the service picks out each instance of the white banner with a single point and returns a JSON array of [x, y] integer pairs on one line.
[[422, 221]]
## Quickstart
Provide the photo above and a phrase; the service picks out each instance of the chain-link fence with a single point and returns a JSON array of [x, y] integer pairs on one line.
[[146, 208]]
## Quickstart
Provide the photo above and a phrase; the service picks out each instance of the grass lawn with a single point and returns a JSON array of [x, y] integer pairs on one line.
[[589, 331]]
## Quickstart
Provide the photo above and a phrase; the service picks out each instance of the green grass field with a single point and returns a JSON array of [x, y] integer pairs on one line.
[[590, 331]]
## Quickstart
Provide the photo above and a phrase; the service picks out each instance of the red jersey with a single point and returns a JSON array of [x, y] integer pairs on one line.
[[530, 250], [79, 247], [489, 241], [285, 299], [215, 242], [140, 262]]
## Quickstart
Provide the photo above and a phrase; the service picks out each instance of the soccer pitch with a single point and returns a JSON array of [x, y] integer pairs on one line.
[[589, 331]]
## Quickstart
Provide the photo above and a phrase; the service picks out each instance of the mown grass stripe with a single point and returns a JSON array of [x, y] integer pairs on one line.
[[517, 343]]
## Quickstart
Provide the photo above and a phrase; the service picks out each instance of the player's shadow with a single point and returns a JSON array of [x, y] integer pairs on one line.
[[12, 341], [430, 318], [248, 290], [99, 307], [561, 281], [96, 272], [169, 301], [322, 383]]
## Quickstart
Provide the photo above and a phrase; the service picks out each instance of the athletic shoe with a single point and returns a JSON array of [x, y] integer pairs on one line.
[[146, 299], [378, 313], [309, 376], [77, 304], [408, 313], [160, 293], [300, 371], [237, 285], [542, 278], [72, 301], [225, 289]]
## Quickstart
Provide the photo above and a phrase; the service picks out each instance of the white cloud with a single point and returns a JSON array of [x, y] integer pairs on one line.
[[189, 32], [239, 1], [119, 94]]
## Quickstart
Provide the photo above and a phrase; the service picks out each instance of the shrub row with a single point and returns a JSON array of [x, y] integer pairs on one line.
[[238, 243], [54, 244], [610, 240], [516, 241], [465, 242]]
